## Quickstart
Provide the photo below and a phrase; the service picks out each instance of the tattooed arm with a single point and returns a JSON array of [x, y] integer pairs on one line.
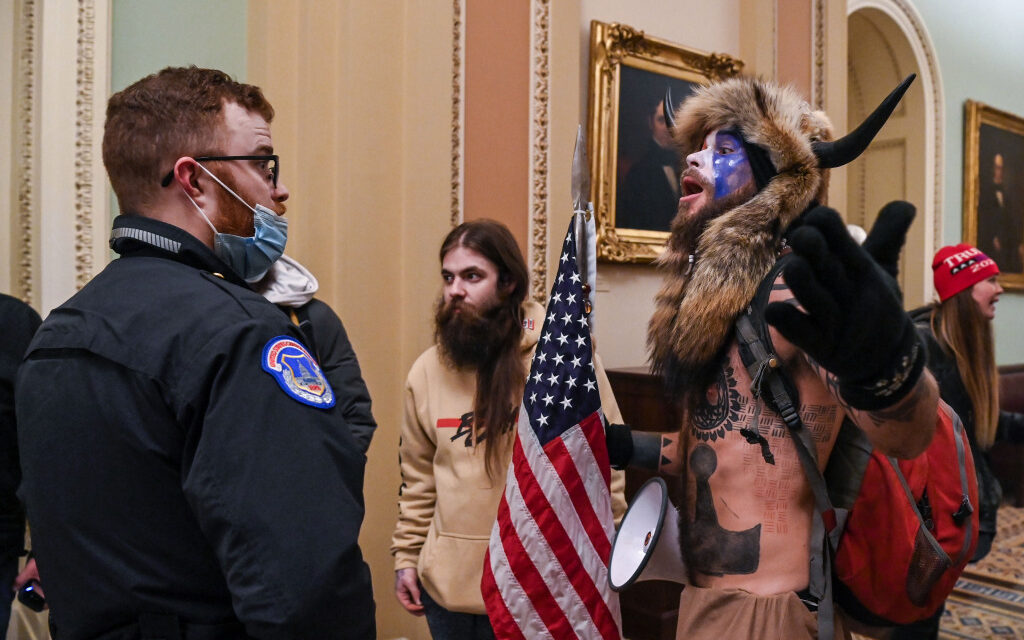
[[657, 452], [643, 449], [902, 430]]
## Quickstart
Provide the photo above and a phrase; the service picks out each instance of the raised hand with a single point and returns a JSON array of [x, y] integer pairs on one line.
[[852, 322]]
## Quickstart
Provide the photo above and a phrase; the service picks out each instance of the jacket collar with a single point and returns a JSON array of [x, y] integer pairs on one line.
[[136, 235]]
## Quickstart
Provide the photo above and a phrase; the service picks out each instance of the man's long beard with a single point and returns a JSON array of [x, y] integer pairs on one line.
[[469, 338], [692, 376]]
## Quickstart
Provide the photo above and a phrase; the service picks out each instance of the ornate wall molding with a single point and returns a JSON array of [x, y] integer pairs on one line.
[[818, 31], [458, 109], [84, 84], [539, 141], [25, 123]]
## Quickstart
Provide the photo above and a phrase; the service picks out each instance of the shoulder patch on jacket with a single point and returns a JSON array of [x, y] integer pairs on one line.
[[297, 372]]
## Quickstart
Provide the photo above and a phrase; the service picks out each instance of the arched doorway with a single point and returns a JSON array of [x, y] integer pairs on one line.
[[886, 42]]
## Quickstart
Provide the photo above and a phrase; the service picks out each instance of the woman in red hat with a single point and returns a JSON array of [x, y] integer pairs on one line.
[[961, 356]]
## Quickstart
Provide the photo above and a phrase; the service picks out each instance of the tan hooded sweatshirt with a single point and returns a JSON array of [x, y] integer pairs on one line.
[[446, 504]]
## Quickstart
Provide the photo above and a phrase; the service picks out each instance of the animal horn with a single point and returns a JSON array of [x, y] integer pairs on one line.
[[669, 108], [846, 149]]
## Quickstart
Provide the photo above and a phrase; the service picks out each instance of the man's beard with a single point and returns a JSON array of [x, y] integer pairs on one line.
[[237, 218], [690, 227], [469, 338]]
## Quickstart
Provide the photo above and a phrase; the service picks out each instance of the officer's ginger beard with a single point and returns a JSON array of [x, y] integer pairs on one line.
[[235, 217], [688, 226], [471, 338]]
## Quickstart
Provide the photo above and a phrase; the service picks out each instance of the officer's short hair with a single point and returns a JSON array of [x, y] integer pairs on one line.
[[166, 116]]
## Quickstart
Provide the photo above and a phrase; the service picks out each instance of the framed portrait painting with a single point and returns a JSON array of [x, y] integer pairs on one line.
[[994, 188], [634, 165]]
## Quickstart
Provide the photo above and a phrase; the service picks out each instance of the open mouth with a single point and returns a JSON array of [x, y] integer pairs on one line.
[[691, 186]]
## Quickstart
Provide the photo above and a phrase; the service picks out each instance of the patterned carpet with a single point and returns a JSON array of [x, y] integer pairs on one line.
[[988, 601]]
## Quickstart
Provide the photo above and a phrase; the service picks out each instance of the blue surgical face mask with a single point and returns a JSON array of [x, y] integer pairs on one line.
[[250, 257]]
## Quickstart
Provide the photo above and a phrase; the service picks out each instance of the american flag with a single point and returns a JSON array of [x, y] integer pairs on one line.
[[546, 569]]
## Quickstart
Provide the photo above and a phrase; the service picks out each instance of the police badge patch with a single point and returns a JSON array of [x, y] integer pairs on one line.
[[297, 372]]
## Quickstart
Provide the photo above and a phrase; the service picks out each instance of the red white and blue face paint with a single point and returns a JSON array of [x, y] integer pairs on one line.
[[723, 162]]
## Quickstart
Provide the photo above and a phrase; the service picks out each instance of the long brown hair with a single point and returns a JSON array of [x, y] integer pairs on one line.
[[966, 334], [499, 381]]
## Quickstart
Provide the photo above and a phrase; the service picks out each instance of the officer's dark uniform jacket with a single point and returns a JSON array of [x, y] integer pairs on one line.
[[170, 481]]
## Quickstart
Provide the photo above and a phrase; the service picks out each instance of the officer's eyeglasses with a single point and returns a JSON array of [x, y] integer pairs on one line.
[[268, 164]]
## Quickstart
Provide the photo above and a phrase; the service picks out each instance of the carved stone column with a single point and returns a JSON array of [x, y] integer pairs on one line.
[[60, 213]]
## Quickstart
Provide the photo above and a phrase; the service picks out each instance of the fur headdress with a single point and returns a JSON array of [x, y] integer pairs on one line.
[[698, 304]]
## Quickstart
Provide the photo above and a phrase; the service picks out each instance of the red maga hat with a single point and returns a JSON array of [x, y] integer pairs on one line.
[[959, 267]]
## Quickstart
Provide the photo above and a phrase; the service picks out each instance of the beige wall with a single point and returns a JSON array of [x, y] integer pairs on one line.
[[362, 91]]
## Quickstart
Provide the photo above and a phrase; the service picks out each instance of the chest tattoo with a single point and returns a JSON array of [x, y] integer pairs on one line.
[[710, 548], [720, 408]]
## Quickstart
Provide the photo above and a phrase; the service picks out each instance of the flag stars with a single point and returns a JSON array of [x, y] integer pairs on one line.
[[559, 382]]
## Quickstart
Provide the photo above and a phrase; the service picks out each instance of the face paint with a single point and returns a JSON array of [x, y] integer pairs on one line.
[[729, 166], [723, 162]]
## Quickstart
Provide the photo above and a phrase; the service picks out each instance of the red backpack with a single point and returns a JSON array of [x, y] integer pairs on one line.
[[890, 536], [911, 527]]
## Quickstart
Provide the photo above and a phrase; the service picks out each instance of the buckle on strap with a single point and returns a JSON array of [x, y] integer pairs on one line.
[[963, 512]]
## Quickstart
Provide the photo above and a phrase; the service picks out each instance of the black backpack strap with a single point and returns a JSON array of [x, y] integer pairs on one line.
[[770, 383]]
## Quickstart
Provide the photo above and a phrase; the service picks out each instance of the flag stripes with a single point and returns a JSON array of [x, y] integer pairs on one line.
[[546, 573]]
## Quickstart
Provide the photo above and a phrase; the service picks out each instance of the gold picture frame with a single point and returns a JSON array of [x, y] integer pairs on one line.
[[994, 188], [628, 75]]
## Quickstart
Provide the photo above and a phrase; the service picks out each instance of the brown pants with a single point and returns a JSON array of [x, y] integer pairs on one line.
[[717, 614]]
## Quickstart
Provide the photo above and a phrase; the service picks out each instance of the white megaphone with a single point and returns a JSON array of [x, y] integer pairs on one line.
[[646, 546]]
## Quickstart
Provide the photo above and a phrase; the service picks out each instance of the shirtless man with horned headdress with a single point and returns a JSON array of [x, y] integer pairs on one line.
[[756, 167]]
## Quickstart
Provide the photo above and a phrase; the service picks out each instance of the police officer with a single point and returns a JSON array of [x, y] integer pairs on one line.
[[19, 322], [187, 471]]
